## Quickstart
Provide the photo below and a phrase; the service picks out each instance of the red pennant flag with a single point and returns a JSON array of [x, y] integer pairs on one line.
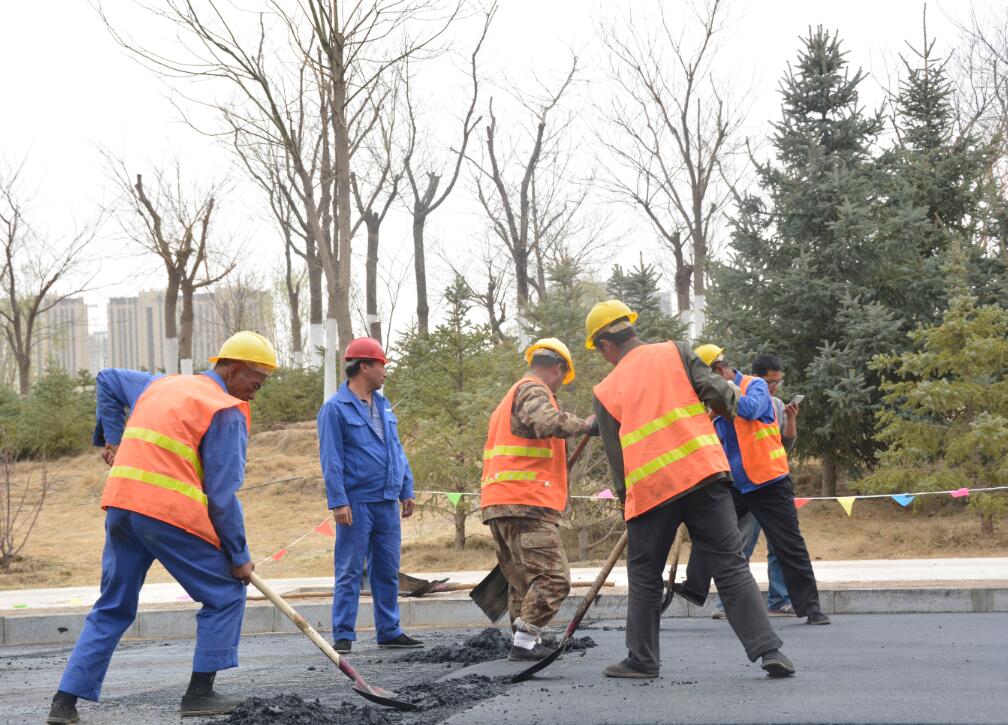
[[279, 555], [799, 502], [325, 528], [959, 493]]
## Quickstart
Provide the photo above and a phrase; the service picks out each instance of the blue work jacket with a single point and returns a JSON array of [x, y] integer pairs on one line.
[[222, 451], [756, 404], [357, 465]]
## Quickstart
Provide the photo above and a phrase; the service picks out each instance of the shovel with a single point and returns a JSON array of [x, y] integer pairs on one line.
[[676, 548], [374, 694], [491, 594], [582, 609]]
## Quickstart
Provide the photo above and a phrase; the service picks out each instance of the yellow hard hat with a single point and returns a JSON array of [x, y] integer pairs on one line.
[[554, 345], [602, 315], [710, 354], [251, 348]]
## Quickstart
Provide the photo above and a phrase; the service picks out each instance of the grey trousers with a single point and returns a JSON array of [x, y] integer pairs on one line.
[[709, 516]]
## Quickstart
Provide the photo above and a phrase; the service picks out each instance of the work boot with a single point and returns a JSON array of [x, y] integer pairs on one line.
[[342, 646], [520, 654], [625, 669], [201, 699], [403, 641], [680, 589], [817, 617], [784, 610], [63, 710], [776, 664]]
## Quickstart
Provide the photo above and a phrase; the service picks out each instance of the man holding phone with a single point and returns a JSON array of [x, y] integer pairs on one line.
[[762, 481]]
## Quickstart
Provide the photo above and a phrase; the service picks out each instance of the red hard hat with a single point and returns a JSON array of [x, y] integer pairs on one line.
[[365, 348]]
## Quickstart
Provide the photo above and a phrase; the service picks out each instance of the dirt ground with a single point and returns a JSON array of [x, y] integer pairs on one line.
[[65, 547]]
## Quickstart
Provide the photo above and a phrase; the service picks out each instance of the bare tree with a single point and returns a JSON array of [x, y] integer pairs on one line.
[[674, 130], [492, 294], [20, 506], [35, 274], [516, 214], [175, 225], [427, 194], [243, 302]]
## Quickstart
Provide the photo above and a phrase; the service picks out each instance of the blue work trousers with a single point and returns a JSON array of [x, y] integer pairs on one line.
[[374, 536], [777, 595], [132, 543]]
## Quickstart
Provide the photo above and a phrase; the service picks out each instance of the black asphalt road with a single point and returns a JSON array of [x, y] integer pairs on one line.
[[939, 668]]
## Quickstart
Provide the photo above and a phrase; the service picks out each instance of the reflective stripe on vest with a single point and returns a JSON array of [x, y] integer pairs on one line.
[[669, 444], [158, 471], [522, 471], [760, 446]]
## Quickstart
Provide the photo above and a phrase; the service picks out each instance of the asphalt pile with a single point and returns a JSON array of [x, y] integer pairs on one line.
[[436, 702], [490, 644]]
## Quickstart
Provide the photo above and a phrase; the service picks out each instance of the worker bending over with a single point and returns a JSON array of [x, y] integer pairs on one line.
[[669, 468], [524, 489], [177, 462]]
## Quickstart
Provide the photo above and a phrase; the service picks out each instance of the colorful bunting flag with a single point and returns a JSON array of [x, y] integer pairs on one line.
[[454, 498], [960, 493], [605, 493], [325, 528], [903, 499], [279, 555], [20, 606], [847, 502], [799, 502]]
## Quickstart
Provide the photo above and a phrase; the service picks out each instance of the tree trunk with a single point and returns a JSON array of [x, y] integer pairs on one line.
[[461, 513], [341, 157], [829, 474], [186, 330], [171, 333], [583, 542], [371, 273], [24, 373], [683, 275], [420, 272], [699, 285], [315, 310], [331, 377]]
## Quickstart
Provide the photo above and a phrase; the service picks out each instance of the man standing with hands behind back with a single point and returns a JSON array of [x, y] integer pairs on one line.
[[367, 477]]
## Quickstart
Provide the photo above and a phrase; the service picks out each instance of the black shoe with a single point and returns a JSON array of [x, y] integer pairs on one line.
[[63, 710], [342, 646], [625, 669], [212, 703], [680, 589], [818, 617], [520, 654], [403, 641], [776, 664]]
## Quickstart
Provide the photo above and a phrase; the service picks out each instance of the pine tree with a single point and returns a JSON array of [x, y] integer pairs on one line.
[[807, 260], [638, 288], [945, 418]]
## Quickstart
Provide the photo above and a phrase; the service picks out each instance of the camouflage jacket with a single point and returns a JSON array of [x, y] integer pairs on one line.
[[533, 416]]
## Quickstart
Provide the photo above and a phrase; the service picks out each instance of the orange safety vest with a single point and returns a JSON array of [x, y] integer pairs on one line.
[[523, 471], [763, 456], [669, 444], [157, 470]]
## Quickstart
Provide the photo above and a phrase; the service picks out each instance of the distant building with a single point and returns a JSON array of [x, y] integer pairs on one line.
[[61, 337], [123, 333], [98, 354]]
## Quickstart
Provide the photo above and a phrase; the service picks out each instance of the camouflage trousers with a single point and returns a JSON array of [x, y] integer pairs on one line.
[[532, 559]]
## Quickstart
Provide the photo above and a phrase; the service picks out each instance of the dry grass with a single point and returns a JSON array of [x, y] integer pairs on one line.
[[65, 548]]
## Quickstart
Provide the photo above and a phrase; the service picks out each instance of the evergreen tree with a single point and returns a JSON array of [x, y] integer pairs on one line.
[[807, 277], [945, 418], [638, 288]]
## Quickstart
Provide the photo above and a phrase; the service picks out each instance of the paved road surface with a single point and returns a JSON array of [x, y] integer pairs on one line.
[[948, 668]]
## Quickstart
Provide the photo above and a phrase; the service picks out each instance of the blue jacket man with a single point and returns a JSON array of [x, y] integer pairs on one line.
[[770, 502], [367, 476], [173, 422]]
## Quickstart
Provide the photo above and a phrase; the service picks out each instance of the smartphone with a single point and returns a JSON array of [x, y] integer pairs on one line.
[[796, 400]]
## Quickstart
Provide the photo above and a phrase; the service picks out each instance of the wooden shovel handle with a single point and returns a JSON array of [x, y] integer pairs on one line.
[[578, 451], [604, 572]]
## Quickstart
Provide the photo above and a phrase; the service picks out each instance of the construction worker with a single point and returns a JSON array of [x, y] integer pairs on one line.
[[524, 489], [762, 485], [668, 468], [177, 462], [367, 479]]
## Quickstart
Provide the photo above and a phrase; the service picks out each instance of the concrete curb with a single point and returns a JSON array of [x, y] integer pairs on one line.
[[263, 618]]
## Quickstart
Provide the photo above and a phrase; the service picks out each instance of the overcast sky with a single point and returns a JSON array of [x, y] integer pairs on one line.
[[68, 89]]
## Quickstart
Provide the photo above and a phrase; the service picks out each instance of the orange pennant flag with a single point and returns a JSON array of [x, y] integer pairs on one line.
[[799, 502], [279, 555], [325, 528], [847, 502]]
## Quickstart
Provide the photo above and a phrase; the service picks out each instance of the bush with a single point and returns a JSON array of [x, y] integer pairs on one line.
[[289, 395], [56, 418]]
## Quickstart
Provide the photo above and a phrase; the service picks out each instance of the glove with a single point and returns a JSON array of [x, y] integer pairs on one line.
[[593, 429]]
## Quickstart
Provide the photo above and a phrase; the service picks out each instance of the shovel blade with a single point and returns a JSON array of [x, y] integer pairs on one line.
[[491, 594], [383, 697], [541, 664]]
